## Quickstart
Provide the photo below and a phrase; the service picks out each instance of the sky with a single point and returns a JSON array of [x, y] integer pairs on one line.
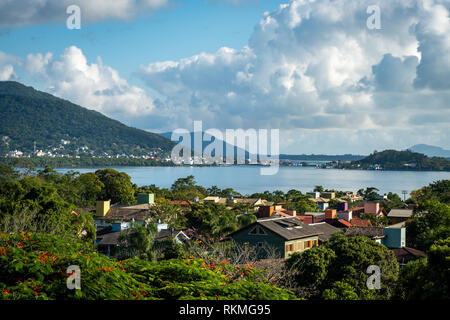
[[334, 76]]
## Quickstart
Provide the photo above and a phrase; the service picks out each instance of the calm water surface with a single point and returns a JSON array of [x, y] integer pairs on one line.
[[248, 180]]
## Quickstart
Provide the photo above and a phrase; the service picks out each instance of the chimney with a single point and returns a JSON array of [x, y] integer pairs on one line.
[[102, 208], [265, 211], [330, 214]]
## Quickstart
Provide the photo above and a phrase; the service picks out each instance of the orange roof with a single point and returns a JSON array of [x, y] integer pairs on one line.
[[182, 202], [345, 222]]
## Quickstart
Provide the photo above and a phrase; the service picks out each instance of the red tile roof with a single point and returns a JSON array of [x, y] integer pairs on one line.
[[182, 202], [345, 223]]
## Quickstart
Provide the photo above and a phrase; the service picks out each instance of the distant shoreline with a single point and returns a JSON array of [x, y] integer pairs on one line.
[[107, 162]]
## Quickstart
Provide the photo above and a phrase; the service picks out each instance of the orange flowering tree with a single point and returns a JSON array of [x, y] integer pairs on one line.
[[34, 266]]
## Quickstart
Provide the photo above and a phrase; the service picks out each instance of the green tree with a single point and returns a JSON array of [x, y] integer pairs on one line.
[[90, 188], [346, 259], [369, 194], [340, 291], [438, 190], [165, 212], [302, 205], [430, 222], [186, 189], [246, 219], [318, 189], [311, 268], [427, 278], [138, 241], [211, 219], [117, 186]]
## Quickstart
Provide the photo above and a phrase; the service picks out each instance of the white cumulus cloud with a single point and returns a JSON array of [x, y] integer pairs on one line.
[[315, 65], [92, 85]]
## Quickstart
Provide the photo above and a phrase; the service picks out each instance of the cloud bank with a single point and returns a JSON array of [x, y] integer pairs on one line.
[[315, 65], [311, 68]]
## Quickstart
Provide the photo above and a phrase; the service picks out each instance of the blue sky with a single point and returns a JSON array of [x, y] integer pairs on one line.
[[180, 30], [315, 70]]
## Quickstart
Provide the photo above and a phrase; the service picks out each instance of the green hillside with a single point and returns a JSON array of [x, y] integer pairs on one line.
[[28, 116], [401, 160]]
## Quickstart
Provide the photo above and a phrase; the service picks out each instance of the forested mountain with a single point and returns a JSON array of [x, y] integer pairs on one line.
[[29, 117], [401, 160]]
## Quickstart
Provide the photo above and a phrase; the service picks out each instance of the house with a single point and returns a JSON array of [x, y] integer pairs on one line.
[[314, 194], [374, 233], [328, 195], [212, 199], [325, 231], [374, 208], [405, 255], [322, 203], [312, 217], [182, 203], [286, 234], [105, 214], [339, 223], [272, 211], [392, 237], [346, 215], [352, 197], [177, 235], [330, 214], [309, 219], [107, 240], [395, 237], [316, 215], [252, 203], [342, 206], [357, 210], [360, 222], [399, 215]]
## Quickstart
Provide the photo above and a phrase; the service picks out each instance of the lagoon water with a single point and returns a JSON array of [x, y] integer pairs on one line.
[[248, 179]]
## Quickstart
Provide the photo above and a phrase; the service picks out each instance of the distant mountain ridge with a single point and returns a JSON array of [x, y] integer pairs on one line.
[[223, 152], [295, 157], [431, 151], [30, 118]]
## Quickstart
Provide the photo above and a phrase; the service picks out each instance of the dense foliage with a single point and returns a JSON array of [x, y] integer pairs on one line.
[[35, 267], [338, 268], [438, 190], [427, 278], [32, 204], [82, 162], [430, 222]]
